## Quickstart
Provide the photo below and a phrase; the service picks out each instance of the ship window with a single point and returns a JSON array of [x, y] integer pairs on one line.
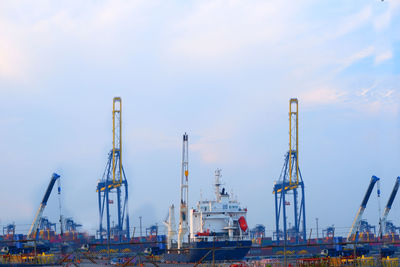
[[225, 207]]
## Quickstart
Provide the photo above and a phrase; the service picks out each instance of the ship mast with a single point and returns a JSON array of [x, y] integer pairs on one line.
[[217, 184], [183, 218]]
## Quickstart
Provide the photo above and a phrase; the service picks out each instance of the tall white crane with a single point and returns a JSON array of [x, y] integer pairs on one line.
[[183, 214]]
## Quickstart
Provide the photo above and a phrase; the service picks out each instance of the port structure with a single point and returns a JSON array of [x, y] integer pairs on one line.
[[33, 230], [383, 223], [114, 181], [357, 223], [291, 182], [183, 213]]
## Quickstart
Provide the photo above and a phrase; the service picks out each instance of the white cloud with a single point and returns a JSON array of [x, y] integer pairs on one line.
[[379, 58], [352, 22], [383, 20], [217, 30], [321, 96], [13, 57], [350, 60]]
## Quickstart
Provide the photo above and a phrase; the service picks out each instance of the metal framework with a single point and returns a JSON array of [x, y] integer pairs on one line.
[[383, 222], [355, 227], [183, 217], [114, 181], [289, 182], [32, 234]]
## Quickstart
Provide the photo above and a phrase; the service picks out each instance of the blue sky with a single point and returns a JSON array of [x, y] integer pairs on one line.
[[223, 71]]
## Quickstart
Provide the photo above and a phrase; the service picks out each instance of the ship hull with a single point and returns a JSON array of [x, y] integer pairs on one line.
[[212, 251]]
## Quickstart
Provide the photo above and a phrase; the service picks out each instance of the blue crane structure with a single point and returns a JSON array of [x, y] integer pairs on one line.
[[383, 222], [357, 220], [9, 229], [71, 226], [32, 234], [290, 181], [328, 232], [45, 225], [114, 180]]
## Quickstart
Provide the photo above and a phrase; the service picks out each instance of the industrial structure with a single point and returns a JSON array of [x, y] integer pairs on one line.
[[383, 226], [32, 234], [355, 228], [183, 213], [114, 181], [291, 181], [328, 232], [169, 222]]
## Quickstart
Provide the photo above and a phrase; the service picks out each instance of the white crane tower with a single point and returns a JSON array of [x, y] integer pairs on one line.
[[183, 214]]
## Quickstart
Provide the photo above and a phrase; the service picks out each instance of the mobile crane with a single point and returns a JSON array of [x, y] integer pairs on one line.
[[32, 234], [382, 225], [350, 249], [356, 223]]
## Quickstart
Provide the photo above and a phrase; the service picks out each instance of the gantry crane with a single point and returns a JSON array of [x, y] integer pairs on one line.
[[32, 234], [357, 220], [290, 180], [382, 225], [114, 180], [183, 214]]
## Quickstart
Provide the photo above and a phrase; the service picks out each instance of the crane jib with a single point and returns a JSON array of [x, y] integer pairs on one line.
[[53, 180], [374, 179], [393, 194]]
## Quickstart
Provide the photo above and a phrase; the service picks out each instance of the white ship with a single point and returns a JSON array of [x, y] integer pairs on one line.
[[223, 217]]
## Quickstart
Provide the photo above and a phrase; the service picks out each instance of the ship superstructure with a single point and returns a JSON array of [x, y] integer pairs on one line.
[[223, 218]]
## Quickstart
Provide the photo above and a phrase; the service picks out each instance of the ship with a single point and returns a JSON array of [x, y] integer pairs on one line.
[[218, 230]]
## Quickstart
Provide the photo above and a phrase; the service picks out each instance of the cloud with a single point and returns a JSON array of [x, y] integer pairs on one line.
[[379, 58], [13, 57], [322, 96], [383, 20], [218, 30], [352, 22], [350, 60]]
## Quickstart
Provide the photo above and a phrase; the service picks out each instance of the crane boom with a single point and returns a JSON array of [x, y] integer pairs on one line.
[[382, 228], [183, 217], [363, 205], [39, 213]]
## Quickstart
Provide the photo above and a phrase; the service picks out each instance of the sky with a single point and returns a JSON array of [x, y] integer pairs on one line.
[[222, 71]]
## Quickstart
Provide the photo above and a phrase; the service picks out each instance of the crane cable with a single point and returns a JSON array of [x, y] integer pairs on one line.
[[378, 191], [59, 206]]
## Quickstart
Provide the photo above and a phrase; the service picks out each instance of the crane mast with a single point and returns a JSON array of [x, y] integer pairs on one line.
[[114, 181], [360, 212], [382, 227], [293, 142], [35, 224], [183, 217]]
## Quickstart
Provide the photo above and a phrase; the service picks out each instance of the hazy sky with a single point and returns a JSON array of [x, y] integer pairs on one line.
[[223, 71]]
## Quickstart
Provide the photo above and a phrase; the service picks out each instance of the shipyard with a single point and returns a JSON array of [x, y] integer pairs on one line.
[[200, 133]]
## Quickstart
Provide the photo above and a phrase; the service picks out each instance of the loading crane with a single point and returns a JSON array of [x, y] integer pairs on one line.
[[382, 226], [357, 220], [35, 224], [114, 181], [290, 182], [183, 217]]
